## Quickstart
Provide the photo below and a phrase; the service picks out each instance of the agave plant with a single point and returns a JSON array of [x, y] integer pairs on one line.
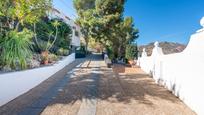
[[16, 49], [51, 34]]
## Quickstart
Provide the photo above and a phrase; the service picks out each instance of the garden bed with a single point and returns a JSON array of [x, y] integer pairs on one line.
[[14, 84], [32, 64]]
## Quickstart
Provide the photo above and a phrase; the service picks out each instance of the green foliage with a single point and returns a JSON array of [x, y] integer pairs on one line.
[[126, 34], [52, 32], [22, 11], [85, 10], [103, 20], [52, 57], [64, 35], [16, 49], [62, 52], [44, 45], [66, 52], [6, 10], [30, 10], [17, 19], [131, 51], [110, 53], [15, 39]]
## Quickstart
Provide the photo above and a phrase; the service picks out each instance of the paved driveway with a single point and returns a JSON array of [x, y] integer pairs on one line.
[[88, 87]]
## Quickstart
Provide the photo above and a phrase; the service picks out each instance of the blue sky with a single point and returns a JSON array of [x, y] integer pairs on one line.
[[157, 20], [65, 6]]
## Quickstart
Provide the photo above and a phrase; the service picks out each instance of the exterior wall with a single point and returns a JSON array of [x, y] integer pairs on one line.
[[15, 84], [181, 73], [76, 39]]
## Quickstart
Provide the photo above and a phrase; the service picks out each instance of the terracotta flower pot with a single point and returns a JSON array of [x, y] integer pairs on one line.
[[44, 53], [131, 62], [44, 56], [45, 62]]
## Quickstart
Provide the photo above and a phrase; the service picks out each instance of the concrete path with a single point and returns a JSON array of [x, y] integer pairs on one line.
[[88, 87]]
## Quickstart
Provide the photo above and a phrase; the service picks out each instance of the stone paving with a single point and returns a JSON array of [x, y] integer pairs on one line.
[[90, 88], [132, 92], [33, 101]]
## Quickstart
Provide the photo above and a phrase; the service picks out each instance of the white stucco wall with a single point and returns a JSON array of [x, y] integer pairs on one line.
[[15, 84], [76, 39], [182, 73]]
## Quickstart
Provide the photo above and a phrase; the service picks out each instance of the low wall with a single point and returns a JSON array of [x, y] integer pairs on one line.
[[182, 73], [15, 84]]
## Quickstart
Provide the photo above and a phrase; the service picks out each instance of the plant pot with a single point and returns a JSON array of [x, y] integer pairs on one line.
[[44, 53], [45, 62], [109, 65], [131, 62], [44, 56]]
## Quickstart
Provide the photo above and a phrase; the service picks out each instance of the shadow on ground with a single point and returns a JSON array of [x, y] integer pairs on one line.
[[114, 88], [118, 84]]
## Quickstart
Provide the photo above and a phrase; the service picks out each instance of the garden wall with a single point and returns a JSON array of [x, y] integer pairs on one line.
[[182, 73], [15, 84]]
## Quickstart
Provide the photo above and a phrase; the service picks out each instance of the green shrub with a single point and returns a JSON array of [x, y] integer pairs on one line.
[[52, 57], [63, 52], [46, 31], [16, 49], [131, 51], [110, 53], [60, 52], [44, 45]]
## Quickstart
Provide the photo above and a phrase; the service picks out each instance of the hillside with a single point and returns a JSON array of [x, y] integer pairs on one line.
[[167, 47]]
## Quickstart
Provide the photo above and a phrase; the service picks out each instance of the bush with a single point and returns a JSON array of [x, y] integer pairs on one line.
[[110, 53], [64, 35], [44, 45], [62, 52], [16, 49], [131, 51], [65, 52], [52, 58]]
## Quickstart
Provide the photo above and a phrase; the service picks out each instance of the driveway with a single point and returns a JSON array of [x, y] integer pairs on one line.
[[88, 87]]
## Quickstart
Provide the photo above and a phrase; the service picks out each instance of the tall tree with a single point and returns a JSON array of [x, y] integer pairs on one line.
[[85, 10], [127, 34], [16, 12], [103, 20]]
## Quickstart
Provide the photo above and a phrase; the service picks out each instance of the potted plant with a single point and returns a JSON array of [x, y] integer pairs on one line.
[[44, 57], [46, 45]]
